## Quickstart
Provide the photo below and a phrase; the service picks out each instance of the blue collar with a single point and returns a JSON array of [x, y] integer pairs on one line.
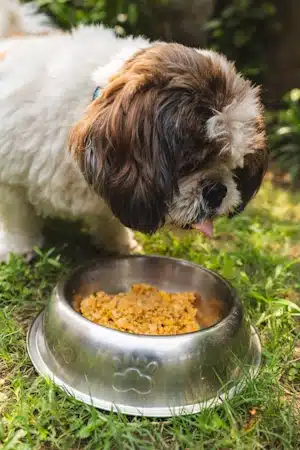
[[97, 92]]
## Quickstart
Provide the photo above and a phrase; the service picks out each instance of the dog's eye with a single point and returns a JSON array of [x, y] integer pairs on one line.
[[96, 93]]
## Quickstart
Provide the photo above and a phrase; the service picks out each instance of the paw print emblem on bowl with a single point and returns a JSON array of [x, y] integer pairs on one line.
[[137, 376]]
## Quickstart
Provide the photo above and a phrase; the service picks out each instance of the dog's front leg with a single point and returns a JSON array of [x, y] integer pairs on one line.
[[19, 226], [109, 234]]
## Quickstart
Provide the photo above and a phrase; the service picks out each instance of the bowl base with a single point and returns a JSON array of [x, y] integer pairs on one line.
[[43, 364]]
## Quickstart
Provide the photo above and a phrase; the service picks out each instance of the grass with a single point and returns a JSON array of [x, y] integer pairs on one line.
[[259, 252]]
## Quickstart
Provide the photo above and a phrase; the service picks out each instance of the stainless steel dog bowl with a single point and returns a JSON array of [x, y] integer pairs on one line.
[[138, 374]]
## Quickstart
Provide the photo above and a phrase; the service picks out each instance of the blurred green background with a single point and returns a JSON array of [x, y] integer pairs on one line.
[[262, 37]]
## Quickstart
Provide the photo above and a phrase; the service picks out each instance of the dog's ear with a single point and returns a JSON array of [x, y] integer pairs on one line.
[[127, 156], [249, 178]]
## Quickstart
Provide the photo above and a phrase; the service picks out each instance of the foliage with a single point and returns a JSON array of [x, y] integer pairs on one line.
[[125, 16], [284, 134], [238, 30]]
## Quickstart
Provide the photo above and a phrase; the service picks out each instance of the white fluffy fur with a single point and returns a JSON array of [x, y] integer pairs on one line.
[[235, 124], [46, 83], [102, 74]]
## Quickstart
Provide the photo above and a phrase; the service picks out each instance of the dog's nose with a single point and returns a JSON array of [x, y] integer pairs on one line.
[[214, 193]]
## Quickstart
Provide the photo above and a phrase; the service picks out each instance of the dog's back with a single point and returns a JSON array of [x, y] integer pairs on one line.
[[46, 83]]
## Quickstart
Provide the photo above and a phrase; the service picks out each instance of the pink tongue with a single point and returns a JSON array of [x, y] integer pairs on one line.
[[206, 227]]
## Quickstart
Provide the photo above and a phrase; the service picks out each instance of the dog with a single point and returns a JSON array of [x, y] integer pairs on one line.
[[120, 133]]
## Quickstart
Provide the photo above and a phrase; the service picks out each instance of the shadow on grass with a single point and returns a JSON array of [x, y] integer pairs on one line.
[[70, 241], [235, 236]]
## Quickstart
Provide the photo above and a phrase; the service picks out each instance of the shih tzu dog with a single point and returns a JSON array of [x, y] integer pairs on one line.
[[122, 134]]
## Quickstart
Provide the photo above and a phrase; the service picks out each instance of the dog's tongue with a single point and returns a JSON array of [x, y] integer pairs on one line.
[[206, 227]]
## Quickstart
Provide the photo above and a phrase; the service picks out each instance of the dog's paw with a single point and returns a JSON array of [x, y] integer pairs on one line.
[[129, 244], [125, 247], [134, 246], [121, 244], [11, 243]]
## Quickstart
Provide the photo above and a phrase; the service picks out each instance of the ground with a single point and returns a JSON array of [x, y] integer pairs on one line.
[[259, 252]]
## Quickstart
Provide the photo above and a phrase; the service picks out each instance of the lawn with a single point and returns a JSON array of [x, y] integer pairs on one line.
[[259, 252]]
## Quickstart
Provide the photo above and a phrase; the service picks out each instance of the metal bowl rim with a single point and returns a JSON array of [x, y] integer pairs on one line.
[[59, 290]]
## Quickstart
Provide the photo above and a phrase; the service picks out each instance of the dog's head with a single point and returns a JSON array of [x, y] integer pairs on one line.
[[176, 136]]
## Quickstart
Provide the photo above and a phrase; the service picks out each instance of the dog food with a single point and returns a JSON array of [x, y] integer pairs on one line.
[[144, 309]]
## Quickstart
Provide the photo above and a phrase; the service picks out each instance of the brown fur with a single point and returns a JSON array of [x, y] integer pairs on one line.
[[148, 129]]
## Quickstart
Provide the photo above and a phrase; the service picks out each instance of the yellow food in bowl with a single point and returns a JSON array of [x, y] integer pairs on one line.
[[144, 309]]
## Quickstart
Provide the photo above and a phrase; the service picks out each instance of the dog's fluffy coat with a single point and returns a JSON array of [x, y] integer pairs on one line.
[[169, 123]]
